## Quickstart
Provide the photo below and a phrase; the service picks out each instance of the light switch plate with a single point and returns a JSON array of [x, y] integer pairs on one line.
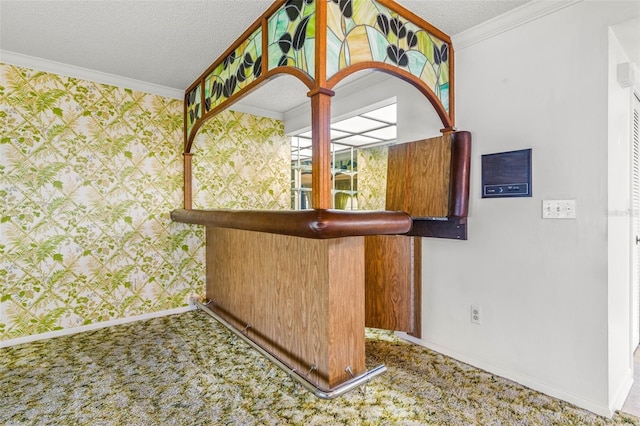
[[558, 209]]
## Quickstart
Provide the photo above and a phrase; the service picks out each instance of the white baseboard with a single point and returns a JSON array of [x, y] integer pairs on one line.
[[530, 382], [623, 391], [96, 326]]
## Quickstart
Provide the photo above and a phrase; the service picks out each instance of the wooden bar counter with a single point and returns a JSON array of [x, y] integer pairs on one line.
[[294, 282]]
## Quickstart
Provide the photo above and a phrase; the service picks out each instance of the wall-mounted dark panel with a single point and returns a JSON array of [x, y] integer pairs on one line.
[[452, 228], [507, 174]]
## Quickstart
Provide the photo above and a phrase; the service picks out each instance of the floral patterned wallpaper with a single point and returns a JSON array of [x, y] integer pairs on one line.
[[372, 178], [241, 161], [88, 176]]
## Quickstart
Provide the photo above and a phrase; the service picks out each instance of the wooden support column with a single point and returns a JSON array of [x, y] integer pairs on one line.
[[321, 148], [321, 197], [188, 179]]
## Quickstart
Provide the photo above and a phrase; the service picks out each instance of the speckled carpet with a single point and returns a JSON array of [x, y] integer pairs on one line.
[[188, 370]]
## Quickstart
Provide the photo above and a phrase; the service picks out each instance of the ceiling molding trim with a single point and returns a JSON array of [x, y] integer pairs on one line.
[[18, 59], [514, 18]]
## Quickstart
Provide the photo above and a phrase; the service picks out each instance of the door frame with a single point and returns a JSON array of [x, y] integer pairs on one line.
[[634, 338]]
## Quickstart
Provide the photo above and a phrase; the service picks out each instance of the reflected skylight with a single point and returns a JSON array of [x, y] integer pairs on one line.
[[386, 133], [358, 140], [387, 114], [357, 124], [369, 128]]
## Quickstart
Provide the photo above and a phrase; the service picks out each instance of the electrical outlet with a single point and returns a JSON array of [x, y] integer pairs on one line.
[[476, 314]]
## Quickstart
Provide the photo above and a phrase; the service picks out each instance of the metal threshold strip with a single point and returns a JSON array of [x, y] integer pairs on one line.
[[340, 390]]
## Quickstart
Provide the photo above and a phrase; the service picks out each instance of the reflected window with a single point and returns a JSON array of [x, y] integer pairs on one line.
[[358, 161]]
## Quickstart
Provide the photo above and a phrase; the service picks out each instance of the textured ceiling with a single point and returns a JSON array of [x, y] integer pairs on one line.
[[170, 42]]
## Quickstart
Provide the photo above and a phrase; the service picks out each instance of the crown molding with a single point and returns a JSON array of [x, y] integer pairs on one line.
[[18, 59], [514, 18]]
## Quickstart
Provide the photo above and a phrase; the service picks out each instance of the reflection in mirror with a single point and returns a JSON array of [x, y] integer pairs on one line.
[[358, 161], [261, 158]]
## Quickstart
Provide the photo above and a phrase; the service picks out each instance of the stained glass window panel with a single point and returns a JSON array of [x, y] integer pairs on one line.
[[291, 38], [239, 69], [194, 109], [364, 30]]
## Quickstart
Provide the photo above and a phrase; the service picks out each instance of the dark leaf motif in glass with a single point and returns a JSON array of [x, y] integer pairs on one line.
[[301, 34], [207, 104], [444, 51], [412, 39], [241, 73], [257, 67], [191, 99], [229, 60], [248, 60], [283, 61], [383, 23], [398, 55], [293, 9], [346, 8], [229, 86], [398, 27], [285, 43], [440, 54], [216, 90]]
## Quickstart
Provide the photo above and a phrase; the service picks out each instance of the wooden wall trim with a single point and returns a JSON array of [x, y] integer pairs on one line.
[[416, 297], [188, 180]]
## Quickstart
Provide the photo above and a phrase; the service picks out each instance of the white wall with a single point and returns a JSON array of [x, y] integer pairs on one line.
[[554, 293], [620, 235], [544, 285]]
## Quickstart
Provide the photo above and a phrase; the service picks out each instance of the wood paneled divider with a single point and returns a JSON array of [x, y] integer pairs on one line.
[[393, 283], [419, 177], [429, 180]]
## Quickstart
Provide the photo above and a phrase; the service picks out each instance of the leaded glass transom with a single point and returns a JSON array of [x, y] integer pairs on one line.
[[236, 71], [364, 30], [194, 109], [292, 32]]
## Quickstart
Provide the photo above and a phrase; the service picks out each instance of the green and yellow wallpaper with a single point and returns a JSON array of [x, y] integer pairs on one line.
[[88, 176], [241, 161], [372, 178]]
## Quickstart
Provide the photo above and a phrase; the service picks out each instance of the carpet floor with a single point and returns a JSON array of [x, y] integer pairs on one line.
[[186, 369]]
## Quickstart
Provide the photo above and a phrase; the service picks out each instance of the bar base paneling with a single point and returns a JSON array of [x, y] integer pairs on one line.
[[393, 283], [299, 298]]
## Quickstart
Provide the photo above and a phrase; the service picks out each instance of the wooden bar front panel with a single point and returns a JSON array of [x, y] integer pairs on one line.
[[392, 285], [302, 298]]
